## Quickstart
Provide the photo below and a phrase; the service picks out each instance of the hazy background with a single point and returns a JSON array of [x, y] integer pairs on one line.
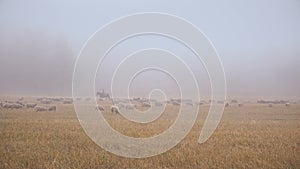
[[258, 43]]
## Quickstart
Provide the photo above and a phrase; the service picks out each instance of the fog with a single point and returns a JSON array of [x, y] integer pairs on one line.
[[35, 63], [257, 41]]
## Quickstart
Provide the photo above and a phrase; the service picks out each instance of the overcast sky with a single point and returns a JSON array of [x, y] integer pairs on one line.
[[258, 42]]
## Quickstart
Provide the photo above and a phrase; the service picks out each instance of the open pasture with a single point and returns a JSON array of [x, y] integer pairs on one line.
[[251, 136]]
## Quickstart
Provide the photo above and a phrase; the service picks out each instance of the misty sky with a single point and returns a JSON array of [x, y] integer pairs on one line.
[[258, 42]]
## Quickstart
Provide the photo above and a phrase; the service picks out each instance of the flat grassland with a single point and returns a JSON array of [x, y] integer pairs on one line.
[[251, 136]]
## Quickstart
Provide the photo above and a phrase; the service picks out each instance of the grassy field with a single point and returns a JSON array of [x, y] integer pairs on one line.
[[252, 136]]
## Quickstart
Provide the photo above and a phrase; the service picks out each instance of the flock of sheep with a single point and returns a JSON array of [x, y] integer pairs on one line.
[[46, 104], [19, 105], [133, 103], [272, 102], [43, 104]]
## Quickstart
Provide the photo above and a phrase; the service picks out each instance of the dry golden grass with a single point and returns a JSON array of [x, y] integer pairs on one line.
[[252, 136]]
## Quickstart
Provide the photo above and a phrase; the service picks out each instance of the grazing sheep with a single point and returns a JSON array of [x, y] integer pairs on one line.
[[175, 103], [175, 100], [143, 100], [240, 105], [6, 105], [129, 107], [136, 99], [12, 106], [234, 101], [270, 105], [46, 102], [17, 106], [114, 109], [39, 108], [199, 103], [145, 104], [31, 105], [20, 103], [39, 99], [100, 107], [186, 100], [272, 101], [56, 99], [189, 104], [121, 105], [287, 104], [52, 108], [67, 102], [158, 104]]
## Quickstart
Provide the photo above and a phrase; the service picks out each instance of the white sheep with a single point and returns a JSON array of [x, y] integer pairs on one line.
[[175, 103], [114, 109], [31, 105], [121, 105], [52, 108], [39, 108], [100, 107], [158, 104], [67, 102], [146, 104], [129, 107], [20, 103], [46, 102], [12, 106]]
